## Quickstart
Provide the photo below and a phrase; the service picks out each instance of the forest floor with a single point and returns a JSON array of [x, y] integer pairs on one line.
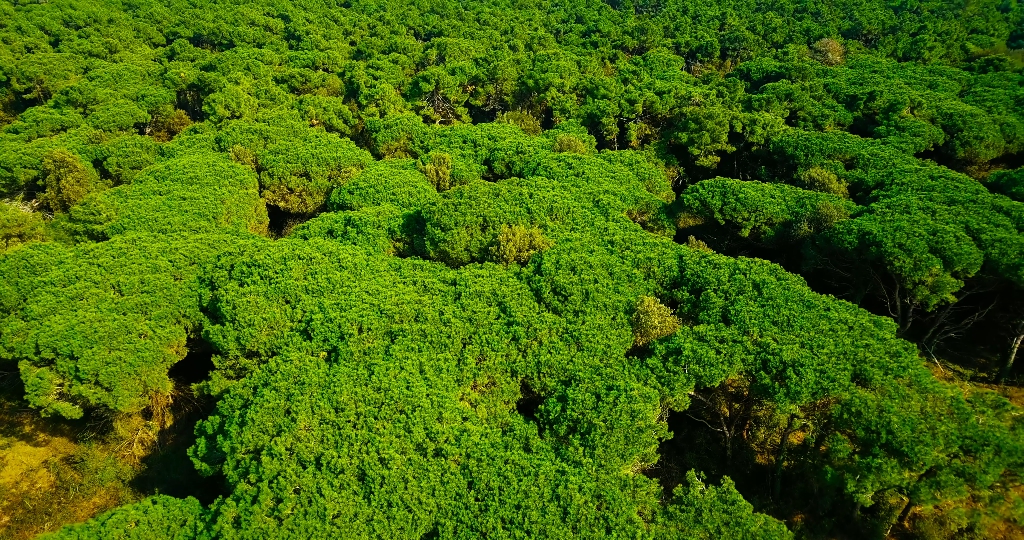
[[46, 475], [55, 472]]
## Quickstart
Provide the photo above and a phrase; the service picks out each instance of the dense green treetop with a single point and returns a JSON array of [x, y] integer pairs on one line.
[[1010, 183], [99, 325], [497, 269], [194, 194], [156, 517]]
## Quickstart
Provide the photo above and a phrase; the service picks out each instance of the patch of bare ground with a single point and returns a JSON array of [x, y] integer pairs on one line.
[[55, 472]]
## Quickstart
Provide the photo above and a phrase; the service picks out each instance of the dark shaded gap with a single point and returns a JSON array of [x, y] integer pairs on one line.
[[805, 503], [20, 421], [547, 119], [747, 163], [981, 348], [1003, 162], [168, 470], [197, 364], [282, 221], [481, 115], [278, 220], [10, 381], [940, 156], [191, 100], [789, 255], [973, 334], [978, 349], [689, 447], [864, 127], [11, 106], [696, 445], [413, 236], [529, 402]]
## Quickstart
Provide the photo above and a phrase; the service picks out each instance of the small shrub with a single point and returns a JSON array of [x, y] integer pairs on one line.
[[67, 181], [568, 144], [653, 320], [516, 244], [525, 121], [693, 243], [439, 171], [828, 51], [823, 180]]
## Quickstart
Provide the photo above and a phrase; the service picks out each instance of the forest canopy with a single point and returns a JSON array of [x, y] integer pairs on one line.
[[492, 269]]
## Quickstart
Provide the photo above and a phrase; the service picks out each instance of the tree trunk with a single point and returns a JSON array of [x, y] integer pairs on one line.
[[727, 440], [939, 321], [905, 513], [780, 458], [1012, 354], [901, 309], [906, 317]]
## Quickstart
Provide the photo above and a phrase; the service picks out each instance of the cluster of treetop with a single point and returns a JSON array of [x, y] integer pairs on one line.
[[532, 269]]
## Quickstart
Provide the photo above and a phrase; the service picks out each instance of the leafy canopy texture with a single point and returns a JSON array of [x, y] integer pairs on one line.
[[579, 269], [103, 322]]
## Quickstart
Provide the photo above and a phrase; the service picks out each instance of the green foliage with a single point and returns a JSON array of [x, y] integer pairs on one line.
[[828, 51], [19, 226], [457, 236], [571, 137], [899, 448], [104, 322], [384, 184], [516, 244], [67, 181], [200, 193], [913, 240], [381, 229], [523, 120], [1009, 183], [793, 363], [439, 171], [117, 115], [820, 179], [648, 168], [569, 144], [156, 517], [925, 228], [652, 320], [709, 512], [413, 473], [471, 337], [167, 124], [766, 210], [298, 166], [125, 157]]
